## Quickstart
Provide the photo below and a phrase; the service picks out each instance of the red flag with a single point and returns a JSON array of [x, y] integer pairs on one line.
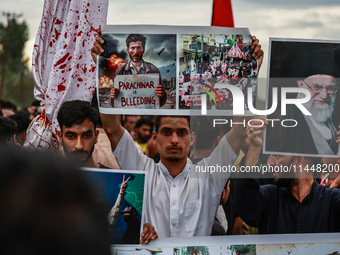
[[239, 43], [222, 14]]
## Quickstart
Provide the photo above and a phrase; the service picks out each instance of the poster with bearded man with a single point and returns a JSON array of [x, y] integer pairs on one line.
[[315, 67]]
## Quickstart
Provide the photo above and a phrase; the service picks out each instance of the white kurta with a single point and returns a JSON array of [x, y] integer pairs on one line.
[[183, 206]]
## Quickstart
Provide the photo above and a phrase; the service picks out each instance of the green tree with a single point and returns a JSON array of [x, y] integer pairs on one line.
[[19, 84]]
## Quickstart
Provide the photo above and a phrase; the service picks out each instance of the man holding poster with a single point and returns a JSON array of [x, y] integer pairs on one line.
[[182, 198], [181, 201], [295, 203], [140, 86]]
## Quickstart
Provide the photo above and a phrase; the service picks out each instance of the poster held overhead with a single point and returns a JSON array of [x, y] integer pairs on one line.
[[193, 64], [312, 66], [137, 91]]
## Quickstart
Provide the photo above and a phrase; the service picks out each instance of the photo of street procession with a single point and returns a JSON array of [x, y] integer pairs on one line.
[[207, 60]]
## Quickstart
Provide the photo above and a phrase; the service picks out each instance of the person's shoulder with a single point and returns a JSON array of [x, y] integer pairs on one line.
[[120, 70], [151, 67], [325, 190], [272, 189]]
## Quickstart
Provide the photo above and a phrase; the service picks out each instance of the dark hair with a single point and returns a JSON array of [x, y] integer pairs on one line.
[[8, 128], [159, 119], [144, 121], [23, 113], [48, 206], [205, 133], [135, 38], [8, 105], [75, 112], [35, 103], [21, 121]]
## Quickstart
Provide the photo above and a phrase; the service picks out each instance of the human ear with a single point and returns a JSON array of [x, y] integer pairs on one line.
[[192, 139], [96, 136], [60, 135], [300, 83], [154, 135]]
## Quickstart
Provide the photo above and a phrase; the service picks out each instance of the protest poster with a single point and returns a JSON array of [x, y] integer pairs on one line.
[[192, 63], [124, 193], [297, 244], [137, 91], [311, 67], [209, 62]]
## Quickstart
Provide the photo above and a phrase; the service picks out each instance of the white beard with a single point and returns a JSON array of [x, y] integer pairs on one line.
[[320, 113]]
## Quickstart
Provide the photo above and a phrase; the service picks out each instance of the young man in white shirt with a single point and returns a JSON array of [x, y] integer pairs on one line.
[[180, 201]]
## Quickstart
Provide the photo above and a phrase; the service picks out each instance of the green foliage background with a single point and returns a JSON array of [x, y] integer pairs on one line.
[[19, 84]]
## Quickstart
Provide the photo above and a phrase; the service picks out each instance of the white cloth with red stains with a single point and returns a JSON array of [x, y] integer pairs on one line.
[[62, 65]]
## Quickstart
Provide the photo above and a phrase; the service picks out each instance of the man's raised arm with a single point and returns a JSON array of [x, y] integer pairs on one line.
[[248, 199], [113, 128], [237, 134]]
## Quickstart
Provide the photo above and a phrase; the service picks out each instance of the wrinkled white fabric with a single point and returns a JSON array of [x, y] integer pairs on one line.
[[62, 65]]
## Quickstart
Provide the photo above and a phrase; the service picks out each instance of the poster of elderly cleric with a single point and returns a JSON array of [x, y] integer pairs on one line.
[[309, 126], [123, 192], [140, 69], [211, 62]]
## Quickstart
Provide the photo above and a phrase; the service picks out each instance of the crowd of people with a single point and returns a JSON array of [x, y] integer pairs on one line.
[[180, 201], [238, 72]]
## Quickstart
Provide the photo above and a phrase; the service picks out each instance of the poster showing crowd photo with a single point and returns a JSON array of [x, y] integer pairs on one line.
[[137, 71], [209, 61], [124, 193], [306, 67]]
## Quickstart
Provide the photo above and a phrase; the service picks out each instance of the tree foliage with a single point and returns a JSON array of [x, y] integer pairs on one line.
[[19, 83]]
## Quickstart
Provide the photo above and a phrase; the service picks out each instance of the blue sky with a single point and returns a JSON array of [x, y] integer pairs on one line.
[[309, 19]]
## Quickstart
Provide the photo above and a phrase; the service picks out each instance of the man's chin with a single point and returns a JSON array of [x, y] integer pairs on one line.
[[136, 60], [144, 140], [321, 113], [173, 158], [78, 159]]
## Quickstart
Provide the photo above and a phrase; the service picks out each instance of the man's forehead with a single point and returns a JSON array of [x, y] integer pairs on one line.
[[174, 122], [85, 126], [137, 43], [277, 156], [145, 126], [321, 79], [131, 118]]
